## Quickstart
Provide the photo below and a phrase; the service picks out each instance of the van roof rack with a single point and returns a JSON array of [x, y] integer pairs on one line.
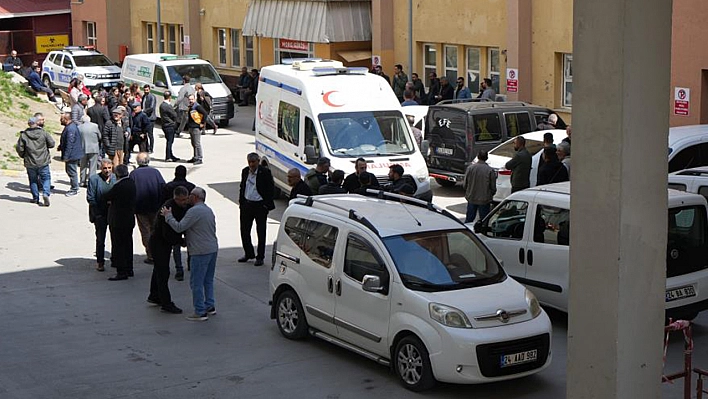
[[307, 64], [309, 200], [179, 57], [381, 194]]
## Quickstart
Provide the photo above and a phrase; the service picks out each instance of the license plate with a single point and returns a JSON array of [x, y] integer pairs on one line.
[[444, 151], [519, 358], [675, 294], [107, 84]]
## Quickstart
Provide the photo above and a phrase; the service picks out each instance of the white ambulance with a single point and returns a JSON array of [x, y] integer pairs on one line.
[[310, 108]]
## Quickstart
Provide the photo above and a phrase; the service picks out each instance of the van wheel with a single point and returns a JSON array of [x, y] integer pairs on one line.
[[412, 365], [291, 317], [445, 183]]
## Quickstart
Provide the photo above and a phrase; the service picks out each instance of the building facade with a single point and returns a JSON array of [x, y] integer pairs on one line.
[[103, 24]]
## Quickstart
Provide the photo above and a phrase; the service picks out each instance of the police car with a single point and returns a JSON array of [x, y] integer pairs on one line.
[[61, 66]]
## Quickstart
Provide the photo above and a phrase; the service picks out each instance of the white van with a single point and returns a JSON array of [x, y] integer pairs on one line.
[[313, 108], [164, 72]]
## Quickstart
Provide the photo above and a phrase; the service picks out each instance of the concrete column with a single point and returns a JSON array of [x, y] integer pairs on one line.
[[382, 33], [519, 45], [621, 53], [193, 26]]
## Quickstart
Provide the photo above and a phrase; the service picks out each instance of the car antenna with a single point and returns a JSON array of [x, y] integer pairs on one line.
[[410, 213]]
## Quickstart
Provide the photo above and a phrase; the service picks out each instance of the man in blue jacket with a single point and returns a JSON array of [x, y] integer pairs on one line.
[[72, 151], [99, 184], [36, 84]]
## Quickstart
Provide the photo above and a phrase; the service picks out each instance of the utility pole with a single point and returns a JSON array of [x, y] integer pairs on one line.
[[160, 45]]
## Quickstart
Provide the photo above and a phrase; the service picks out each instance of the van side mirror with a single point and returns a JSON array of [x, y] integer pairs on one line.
[[424, 148], [160, 83], [480, 227], [310, 155], [371, 283]]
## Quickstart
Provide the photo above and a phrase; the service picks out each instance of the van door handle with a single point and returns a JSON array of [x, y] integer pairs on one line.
[[330, 284], [521, 256], [297, 155], [339, 287], [529, 257]]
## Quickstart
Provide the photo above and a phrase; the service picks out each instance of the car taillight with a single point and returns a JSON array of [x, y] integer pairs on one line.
[[504, 172]]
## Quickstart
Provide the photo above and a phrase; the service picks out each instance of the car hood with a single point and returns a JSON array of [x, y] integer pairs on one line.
[[481, 304]]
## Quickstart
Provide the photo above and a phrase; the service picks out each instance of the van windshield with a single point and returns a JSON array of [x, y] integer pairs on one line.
[[366, 133], [443, 260], [199, 73]]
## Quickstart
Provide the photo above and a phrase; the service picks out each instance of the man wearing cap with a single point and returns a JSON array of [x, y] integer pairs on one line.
[[90, 137], [317, 176], [114, 136], [141, 126], [255, 201], [33, 147], [148, 103], [72, 151], [170, 119]]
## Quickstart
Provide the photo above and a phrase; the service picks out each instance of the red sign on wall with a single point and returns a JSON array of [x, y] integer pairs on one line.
[[512, 80], [296, 45], [682, 100]]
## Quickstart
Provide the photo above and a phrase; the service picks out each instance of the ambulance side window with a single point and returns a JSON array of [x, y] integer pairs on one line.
[[289, 123], [311, 136]]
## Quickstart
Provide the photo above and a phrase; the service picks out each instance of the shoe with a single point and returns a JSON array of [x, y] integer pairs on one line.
[[153, 302], [35, 201], [215, 129], [198, 162], [100, 267], [171, 309], [149, 261], [72, 193], [118, 277], [131, 274], [45, 198], [198, 317], [179, 276], [258, 262], [244, 259], [211, 311]]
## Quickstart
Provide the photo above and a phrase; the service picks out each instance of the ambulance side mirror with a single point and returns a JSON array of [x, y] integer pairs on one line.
[[310, 155]]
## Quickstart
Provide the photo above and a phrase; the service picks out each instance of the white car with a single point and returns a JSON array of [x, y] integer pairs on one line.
[[501, 154], [694, 180], [406, 285], [688, 147], [61, 66], [530, 233]]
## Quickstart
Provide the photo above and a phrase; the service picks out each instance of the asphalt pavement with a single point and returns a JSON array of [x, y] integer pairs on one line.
[[67, 332]]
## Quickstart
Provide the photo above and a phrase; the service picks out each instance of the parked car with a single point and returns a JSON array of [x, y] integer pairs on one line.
[[530, 233], [688, 147], [61, 66], [456, 132], [501, 154], [406, 285]]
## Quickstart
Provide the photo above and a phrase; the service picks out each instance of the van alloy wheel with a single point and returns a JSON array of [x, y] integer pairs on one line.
[[291, 318], [412, 364]]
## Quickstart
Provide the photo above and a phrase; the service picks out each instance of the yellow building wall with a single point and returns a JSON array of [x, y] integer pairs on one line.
[[229, 15], [552, 36]]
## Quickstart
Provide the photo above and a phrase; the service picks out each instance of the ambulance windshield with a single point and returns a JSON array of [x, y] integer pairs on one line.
[[367, 133]]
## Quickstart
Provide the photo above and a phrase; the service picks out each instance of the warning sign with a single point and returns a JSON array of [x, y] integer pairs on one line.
[[512, 80], [49, 43], [682, 100], [375, 60]]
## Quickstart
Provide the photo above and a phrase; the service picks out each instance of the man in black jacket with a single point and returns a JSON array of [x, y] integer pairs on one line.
[[196, 119], [169, 125], [353, 181], [180, 180], [121, 221], [299, 187], [255, 200], [149, 103], [141, 126]]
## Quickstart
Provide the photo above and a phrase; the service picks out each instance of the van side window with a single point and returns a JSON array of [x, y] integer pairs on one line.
[[690, 157], [517, 123], [703, 190], [487, 127], [552, 225], [677, 186], [508, 220], [159, 76], [296, 229], [361, 259], [289, 123], [319, 242], [311, 136]]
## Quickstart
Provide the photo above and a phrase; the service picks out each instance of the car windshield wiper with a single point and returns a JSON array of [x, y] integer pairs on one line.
[[417, 282]]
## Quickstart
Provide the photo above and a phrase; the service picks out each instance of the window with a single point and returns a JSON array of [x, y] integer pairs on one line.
[[149, 34], [429, 61], [677, 186], [689, 157], [473, 56], [451, 63], [221, 42], [91, 33], [567, 80], [52, 58], [517, 123], [507, 221], [319, 242], [686, 242], [235, 47], [487, 127], [311, 139], [249, 52], [181, 39], [162, 38], [289, 123], [67, 62], [159, 76], [172, 38], [493, 66], [552, 225], [361, 260], [296, 229]]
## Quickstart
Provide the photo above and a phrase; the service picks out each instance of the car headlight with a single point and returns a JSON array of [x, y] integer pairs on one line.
[[534, 306], [448, 316], [90, 76], [422, 175]]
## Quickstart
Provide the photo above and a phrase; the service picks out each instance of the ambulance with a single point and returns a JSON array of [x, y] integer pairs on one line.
[[312, 108]]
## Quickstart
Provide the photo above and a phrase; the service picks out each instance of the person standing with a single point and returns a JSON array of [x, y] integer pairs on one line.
[[434, 90], [71, 149], [255, 200], [180, 180], [418, 88], [378, 70], [162, 240], [317, 176], [461, 91], [182, 103], [480, 186], [335, 184], [400, 184], [520, 166], [121, 221], [99, 184], [487, 90], [446, 90], [353, 181], [408, 98], [99, 113], [199, 225], [148, 195], [113, 136], [78, 110], [206, 101], [563, 152], [399, 81], [33, 147], [91, 138], [552, 170], [140, 128], [169, 124], [568, 131], [37, 85], [148, 104], [197, 115], [299, 187]]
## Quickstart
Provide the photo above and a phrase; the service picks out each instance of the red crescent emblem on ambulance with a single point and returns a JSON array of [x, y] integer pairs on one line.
[[327, 101]]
